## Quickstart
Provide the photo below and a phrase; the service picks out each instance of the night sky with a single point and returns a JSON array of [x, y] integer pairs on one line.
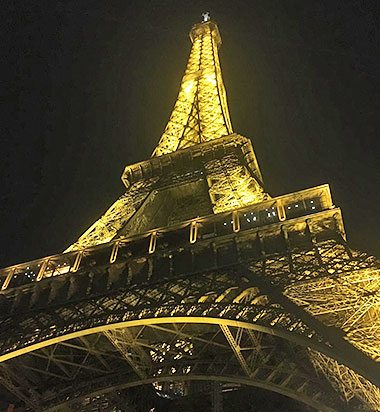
[[91, 85]]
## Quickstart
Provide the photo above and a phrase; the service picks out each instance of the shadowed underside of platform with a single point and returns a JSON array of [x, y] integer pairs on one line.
[[214, 310]]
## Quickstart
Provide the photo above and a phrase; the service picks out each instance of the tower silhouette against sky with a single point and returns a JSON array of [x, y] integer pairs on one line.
[[196, 281]]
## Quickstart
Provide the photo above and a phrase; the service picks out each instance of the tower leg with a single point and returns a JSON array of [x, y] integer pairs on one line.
[[217, 397]]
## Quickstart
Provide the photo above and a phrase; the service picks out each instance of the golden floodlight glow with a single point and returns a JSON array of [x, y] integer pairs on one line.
[[200, 115], [193, 247]]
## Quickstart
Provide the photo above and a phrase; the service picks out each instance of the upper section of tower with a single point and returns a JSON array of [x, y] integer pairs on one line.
[[200, 113], [205, 28]]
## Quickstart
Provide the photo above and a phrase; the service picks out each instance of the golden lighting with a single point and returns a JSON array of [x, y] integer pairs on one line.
[[200, 115]]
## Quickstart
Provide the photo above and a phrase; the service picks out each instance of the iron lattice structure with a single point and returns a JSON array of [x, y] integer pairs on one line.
[[196, 274]]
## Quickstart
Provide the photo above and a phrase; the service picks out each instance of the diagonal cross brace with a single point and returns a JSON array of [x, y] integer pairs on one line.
[[10, 381], [338, 348], [236, 349], [131, 351]]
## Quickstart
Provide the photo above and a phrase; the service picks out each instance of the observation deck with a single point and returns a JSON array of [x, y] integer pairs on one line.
[[268, 227]]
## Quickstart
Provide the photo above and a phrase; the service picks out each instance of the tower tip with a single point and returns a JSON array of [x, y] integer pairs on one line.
[[206, 16], [206, 26]]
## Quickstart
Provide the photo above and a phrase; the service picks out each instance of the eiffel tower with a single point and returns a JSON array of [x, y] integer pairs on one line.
[[195, 281]]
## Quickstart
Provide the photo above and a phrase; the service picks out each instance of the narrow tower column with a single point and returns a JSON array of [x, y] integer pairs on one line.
[[200, 113], [217, 397]]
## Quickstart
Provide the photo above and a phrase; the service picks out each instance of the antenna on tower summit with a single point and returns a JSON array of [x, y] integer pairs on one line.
[[206, 16]]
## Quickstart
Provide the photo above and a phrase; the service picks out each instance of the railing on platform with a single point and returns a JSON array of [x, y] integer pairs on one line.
[[272, 211]]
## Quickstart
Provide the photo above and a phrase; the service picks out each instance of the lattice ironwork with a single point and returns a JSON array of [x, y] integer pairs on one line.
[[264, 292], [114, 219], [200, 112], [102, 295], [279, 366], [350, 302], [131, 350], [231, 185], [217, 398], [213, 296], [200, 115], [346, 381]]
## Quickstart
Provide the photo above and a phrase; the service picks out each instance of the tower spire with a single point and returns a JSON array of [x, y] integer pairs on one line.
[[200, 113], [200, 117], [206, 16]]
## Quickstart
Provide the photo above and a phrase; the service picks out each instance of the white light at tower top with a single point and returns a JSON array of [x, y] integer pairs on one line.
[[206, 16]]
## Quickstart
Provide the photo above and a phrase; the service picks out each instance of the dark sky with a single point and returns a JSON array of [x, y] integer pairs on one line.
[[90, 86]]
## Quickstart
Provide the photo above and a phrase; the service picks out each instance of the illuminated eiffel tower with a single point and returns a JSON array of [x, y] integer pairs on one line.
[[196, 275]]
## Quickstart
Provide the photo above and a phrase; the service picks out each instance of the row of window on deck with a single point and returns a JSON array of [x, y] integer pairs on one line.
[[156, 241]]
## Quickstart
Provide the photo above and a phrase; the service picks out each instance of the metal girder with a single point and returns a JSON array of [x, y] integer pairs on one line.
[[17, 385], [350, 302], [200, 115], [350, 383], [235, 346], [346, 381], [268, 371], [111, 402], [200, 112], [231, 185], [114, 219], [222, 303], [285, 378], [250, 221], [128, 346], [217, 397], [177, 290], [268, 272]]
